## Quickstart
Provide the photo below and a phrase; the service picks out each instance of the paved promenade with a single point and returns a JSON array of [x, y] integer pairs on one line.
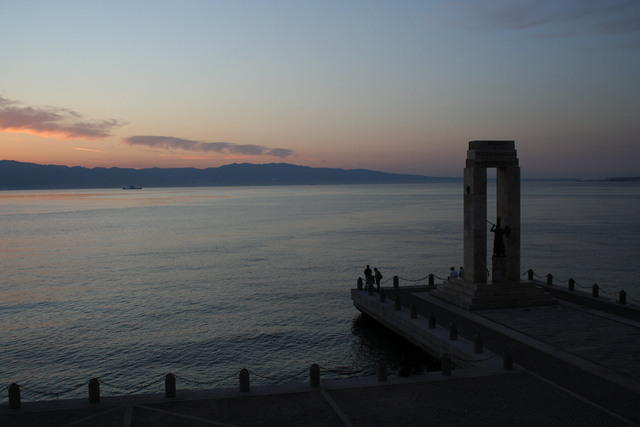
[[470, 397]]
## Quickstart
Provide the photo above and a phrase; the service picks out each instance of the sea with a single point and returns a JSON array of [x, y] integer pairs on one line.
[[128, 285]]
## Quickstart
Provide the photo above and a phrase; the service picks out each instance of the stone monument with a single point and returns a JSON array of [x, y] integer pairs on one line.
[[504, 289]]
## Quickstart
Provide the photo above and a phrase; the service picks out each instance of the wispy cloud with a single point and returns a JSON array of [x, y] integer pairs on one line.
[[90, 150], [577, 17], [53, 122], [172, 143]]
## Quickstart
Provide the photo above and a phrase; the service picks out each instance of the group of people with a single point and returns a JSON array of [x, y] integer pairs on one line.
[[371, 277], [453, 274]]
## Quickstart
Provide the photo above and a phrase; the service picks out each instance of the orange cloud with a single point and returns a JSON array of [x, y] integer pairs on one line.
[[52, 122], [91, 150]]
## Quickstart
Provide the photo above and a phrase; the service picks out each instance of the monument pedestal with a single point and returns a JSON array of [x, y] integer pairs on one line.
[[480, 296]]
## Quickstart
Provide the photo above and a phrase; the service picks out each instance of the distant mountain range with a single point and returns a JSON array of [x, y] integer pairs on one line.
[[19, 175]]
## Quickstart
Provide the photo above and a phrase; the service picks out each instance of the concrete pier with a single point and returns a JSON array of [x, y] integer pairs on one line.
[[588, 351]]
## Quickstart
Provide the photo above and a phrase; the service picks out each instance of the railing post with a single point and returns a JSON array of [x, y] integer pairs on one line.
[[478, 344], [170, 386], [507, 360], [396, 281], [432, 321], [622, 299], [595, 290], [445, 361], [529, 274], [382, 372], [549, 279], [572, 284], [414, 311], [360, 284], [244, 381], [94, 391], [453, 331], [314, 375], [432, 283], [14, 396]]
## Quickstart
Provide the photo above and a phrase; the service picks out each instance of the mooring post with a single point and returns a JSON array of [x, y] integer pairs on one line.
[[529, 274], [382, 372], [397, 305], [507, 360], [170, 385], [432, 321], [94, 391], [314, 375], [453, 331], [432, 283], [14, 396], [478, 344], [572, 284], [414, 311], [445, 361], [595, 290], [549, 279], [396, 281], [622, 299], [244, 381], [360, 285], [383, 296]]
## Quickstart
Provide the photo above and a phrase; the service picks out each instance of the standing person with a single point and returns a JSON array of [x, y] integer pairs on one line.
[[461, 273], [377, 276], [453, 274], [368, 277]]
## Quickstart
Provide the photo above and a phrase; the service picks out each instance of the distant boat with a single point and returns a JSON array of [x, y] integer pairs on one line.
[[132, 187]]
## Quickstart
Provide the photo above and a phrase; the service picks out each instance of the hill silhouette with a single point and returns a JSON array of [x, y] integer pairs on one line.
[[19, 175]]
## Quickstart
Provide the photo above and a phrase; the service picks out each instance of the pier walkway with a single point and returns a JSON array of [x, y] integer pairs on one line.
[[584, 348]]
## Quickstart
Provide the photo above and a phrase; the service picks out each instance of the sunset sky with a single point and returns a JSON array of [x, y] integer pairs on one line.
[[397, 86]]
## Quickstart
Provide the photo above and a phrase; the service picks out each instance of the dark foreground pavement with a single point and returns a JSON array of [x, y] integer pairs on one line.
[[468, 398]]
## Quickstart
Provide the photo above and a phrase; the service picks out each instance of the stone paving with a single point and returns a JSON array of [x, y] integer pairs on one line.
[[496, 399]]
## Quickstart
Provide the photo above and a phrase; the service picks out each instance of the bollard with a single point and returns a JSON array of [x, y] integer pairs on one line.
[[314, 375], [360, 284], [595, 290], [382, 372], [432, 283], [622, 297], [453, 331], [507, 361], [383, 296], [446, 365], [549, 279], [397, 305], [94, 391], [478, 344], [414, 311], [396, 282], [170, 386], [432, 321], [572, 284], [14, 396], [529, 274], [244, 381]]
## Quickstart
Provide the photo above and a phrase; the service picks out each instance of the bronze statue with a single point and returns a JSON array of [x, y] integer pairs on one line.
[[498, 241]]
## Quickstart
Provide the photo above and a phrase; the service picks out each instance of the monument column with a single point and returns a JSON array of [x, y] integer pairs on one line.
[[508, 209], [475, 223]]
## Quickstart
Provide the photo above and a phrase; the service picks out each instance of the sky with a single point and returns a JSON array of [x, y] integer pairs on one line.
[[397, 86]]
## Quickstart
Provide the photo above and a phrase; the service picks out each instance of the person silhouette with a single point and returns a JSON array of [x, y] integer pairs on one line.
[[368, 277], [377, 276]]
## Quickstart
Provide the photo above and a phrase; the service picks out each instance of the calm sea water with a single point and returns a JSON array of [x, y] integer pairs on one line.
[[130, 285]]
